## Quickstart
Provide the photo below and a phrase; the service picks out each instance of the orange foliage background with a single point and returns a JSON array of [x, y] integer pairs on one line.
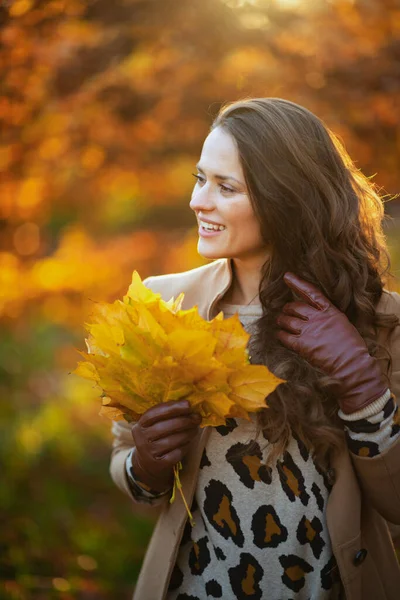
[[103, 110]]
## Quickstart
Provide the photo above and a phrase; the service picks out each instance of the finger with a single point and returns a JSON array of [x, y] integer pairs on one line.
[[166, 445], [299, 309], [290, 341], [172, 458], [164, 428], [165, 410], [290, 324], [306, 290]]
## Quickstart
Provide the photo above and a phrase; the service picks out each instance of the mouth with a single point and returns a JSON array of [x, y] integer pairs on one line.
[[210, 227]]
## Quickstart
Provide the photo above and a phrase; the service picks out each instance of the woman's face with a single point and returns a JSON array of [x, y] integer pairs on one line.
[[220, 200]]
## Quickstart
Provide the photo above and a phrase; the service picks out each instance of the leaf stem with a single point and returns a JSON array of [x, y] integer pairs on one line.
[[177, 484]]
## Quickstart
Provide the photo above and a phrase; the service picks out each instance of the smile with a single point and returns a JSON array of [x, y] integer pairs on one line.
[[210, 227]]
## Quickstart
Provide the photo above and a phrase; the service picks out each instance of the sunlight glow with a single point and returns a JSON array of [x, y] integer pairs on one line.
[[290, 3], [264, 3]]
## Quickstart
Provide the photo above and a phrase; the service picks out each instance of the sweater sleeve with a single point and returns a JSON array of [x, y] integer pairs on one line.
[[373, 429], [139, 490]]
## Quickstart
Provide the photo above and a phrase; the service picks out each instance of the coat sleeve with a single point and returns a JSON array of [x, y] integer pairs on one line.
[[121, 446], [380, 476]]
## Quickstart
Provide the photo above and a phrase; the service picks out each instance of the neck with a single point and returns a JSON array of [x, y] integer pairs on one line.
[[246, 281]]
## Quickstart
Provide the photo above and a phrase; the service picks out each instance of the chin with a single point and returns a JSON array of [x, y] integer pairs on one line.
[[210, 253]]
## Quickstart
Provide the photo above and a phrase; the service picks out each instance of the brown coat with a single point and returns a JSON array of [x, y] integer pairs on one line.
[[365, 495]]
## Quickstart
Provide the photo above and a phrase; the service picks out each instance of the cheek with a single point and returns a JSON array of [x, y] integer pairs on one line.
[[243, 221]]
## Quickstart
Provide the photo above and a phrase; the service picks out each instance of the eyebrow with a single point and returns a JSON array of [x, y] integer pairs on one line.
[[221, 177]]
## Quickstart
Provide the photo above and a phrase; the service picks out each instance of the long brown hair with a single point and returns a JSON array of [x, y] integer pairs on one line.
[[323, 220]]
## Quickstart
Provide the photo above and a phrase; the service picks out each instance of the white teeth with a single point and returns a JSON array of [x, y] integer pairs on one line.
[[211, 227]]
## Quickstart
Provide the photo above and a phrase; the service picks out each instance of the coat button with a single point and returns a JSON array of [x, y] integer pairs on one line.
[[360, 556]]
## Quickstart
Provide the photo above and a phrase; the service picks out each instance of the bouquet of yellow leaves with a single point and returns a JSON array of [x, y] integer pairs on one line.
[[143, 351]]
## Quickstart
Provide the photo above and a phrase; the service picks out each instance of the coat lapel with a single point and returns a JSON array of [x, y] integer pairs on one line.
[[164, 545], [343, 514]]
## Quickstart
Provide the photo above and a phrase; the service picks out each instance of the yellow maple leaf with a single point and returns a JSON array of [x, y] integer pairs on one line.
[[139, 292], [143, 351]]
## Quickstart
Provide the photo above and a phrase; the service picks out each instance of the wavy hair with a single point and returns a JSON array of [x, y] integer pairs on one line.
[[323, 220]]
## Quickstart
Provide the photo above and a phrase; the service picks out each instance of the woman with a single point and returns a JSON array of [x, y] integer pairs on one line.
[[294, 503]]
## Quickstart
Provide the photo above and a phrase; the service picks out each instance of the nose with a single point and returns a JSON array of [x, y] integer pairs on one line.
[[202, 198]]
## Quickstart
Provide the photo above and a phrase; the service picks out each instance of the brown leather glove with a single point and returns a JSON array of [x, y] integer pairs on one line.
[[162, 437], [324, 336]]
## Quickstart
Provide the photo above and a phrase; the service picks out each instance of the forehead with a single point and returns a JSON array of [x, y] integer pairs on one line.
[[220, 153]]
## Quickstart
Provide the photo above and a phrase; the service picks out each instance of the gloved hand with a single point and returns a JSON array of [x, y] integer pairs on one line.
[[324, 336], [162, 437]]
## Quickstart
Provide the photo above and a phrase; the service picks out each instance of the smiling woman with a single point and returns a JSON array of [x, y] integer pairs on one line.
[[228, 225], [290, 503]]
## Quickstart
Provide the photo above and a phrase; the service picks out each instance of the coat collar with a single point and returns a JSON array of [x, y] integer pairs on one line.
[[204, 286], [223, 283]]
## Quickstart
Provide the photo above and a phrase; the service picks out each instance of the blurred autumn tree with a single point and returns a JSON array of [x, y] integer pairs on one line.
[[103, 109]]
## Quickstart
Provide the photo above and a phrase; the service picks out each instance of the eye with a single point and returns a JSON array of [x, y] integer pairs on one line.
[[226, 190], [200, 178]]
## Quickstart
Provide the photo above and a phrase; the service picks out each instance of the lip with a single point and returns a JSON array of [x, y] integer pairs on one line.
[[208, 221]]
